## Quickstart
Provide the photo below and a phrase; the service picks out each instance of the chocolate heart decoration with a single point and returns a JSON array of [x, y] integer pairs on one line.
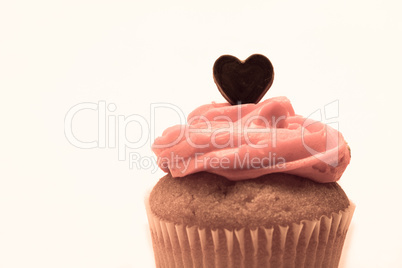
[[243, 81]]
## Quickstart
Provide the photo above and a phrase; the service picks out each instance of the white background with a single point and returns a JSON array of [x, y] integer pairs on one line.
[[62, 206]]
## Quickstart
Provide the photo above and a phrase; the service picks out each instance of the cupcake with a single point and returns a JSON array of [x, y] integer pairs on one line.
[[249, 184]]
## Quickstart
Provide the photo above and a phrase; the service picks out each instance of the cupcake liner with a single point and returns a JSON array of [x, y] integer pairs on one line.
[[308, 244]]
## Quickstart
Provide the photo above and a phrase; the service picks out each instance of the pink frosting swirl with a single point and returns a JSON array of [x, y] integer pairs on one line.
[[250, 140]]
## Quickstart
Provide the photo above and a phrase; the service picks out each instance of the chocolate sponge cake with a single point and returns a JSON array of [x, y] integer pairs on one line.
[[276, 220], [212, 201]]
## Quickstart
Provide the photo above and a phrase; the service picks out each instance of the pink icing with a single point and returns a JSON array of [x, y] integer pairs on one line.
[[250, 140]]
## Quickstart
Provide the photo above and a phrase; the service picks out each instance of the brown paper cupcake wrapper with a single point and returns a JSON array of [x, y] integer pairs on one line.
[[308, 244]]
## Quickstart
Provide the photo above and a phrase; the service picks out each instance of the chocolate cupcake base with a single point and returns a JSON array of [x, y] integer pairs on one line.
[[308, 244], [277, 220]]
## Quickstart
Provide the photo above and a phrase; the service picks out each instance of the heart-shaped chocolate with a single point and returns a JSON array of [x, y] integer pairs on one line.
[[243, 81]]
